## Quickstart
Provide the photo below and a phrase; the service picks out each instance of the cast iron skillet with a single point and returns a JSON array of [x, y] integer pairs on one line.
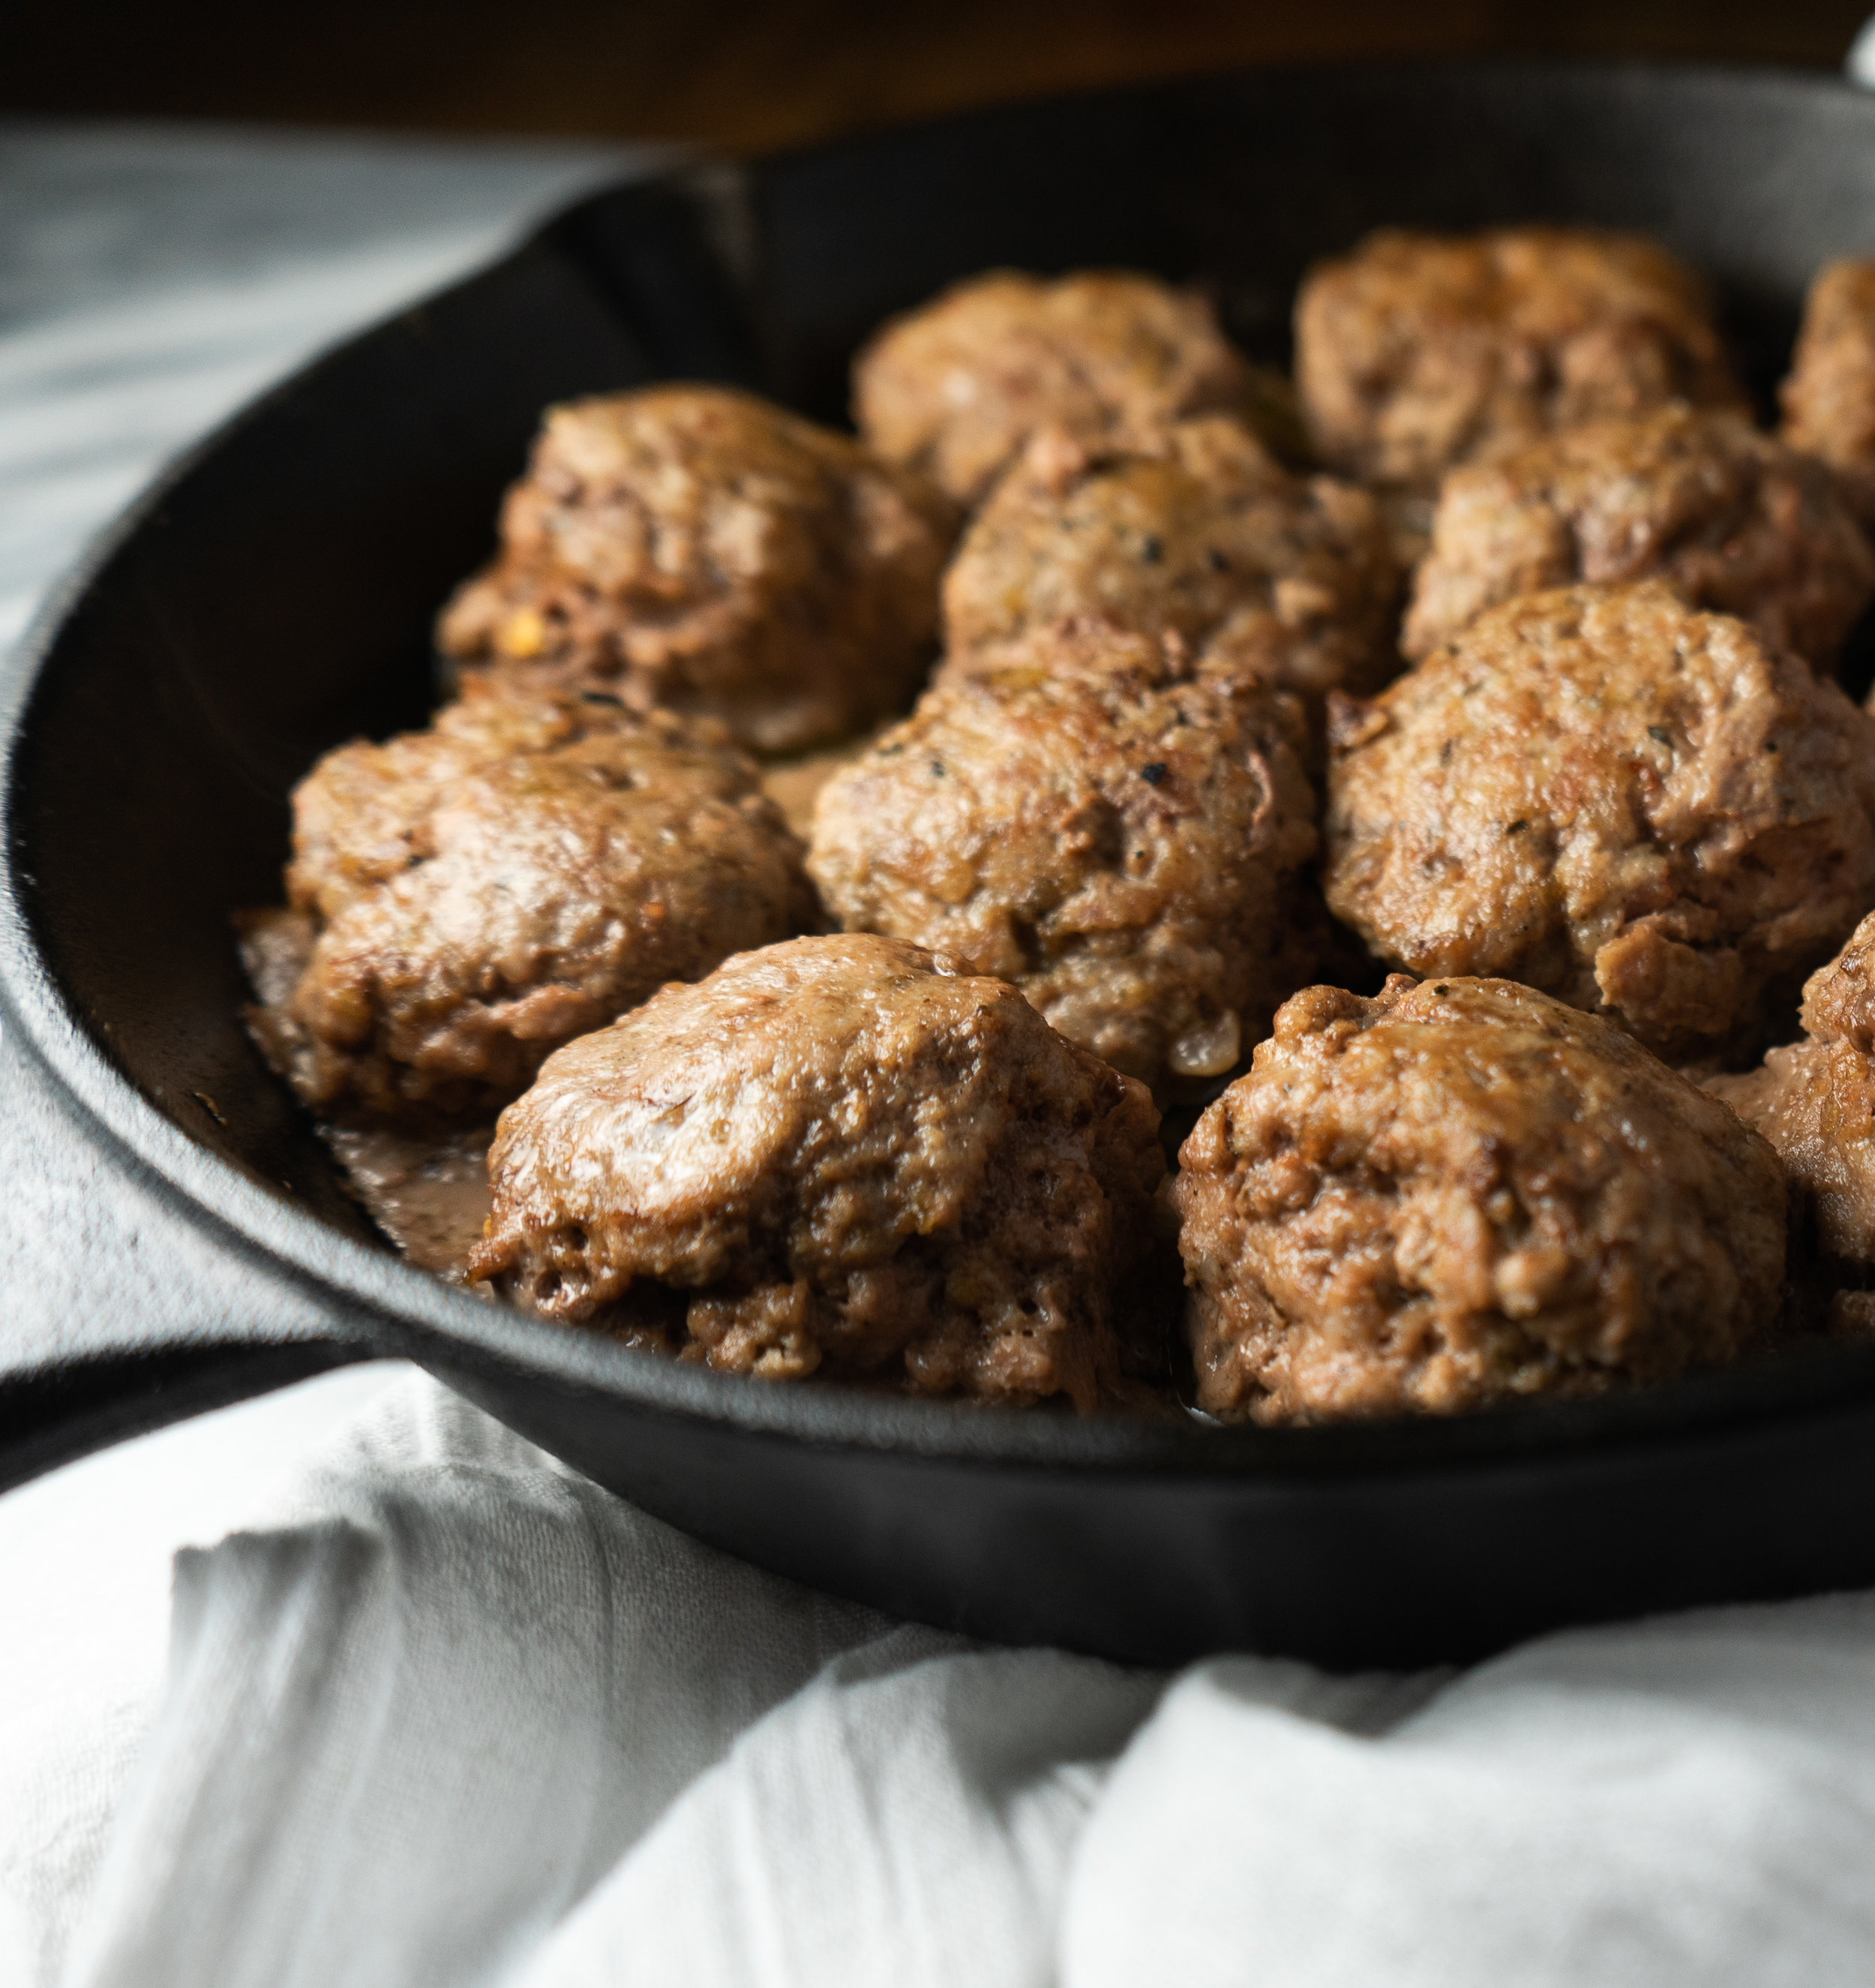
[[272, 597]]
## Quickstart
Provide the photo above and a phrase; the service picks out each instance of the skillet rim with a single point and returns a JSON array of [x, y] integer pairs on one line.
[[391, 1307]]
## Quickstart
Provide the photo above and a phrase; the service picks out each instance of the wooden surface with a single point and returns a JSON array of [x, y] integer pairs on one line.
[[754, 76]]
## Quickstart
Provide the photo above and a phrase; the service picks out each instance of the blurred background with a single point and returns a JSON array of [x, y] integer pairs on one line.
[[751, 77]]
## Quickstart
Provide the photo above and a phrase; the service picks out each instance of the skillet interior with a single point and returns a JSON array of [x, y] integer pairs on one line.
[[274, 596]]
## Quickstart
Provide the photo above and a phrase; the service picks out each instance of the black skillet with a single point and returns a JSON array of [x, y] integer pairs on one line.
[[272, 595]]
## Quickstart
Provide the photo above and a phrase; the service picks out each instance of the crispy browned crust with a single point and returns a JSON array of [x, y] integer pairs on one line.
[[1732, 520], [1463, 1193], [956, 388], [476, 893], [1284, 577], [1647, 812], [838, 1156], [696, 548], [1415, 352], [1119, 832]]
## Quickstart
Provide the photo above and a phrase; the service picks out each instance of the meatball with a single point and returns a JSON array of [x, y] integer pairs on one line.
[[1205, 535], [956, 388], [1121, 832], [841, 1155], [1732, 519], [696, 547], [1463, 1193], [481, 892], [1646, 811], [1829, 400], [1815, 1101], [1839, 998], [1416, 352]]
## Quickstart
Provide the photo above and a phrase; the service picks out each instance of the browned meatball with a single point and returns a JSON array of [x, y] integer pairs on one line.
[[1815, 1100], [1829, 400], [1416, 352], [1463, 1193], [517, 874], [1646, 811], [1284, 578], [841, 1155], [1730, 518], [956, 389], [696, 547], [1119, 833]]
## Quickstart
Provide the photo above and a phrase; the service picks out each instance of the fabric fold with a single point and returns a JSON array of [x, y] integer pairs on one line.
[[907, 1817], [414, 1715], [439, 1711], [1685, 1801]]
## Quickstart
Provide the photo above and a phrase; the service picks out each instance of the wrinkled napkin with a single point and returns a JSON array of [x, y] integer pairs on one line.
[[353, 1686]]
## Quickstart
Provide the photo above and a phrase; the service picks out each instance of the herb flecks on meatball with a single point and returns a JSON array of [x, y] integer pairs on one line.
[[838, 1156], [1205, 536], [956, 388], [476, 893], [1461, 1194], [1415, 352], [698, 549], [1730, 518], [1118, 832], [1646, 811]]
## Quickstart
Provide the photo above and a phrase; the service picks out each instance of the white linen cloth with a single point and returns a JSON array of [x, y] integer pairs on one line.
[[434, 1710], [349, 1686]]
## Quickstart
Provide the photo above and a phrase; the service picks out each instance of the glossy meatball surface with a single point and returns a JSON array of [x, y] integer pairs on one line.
[[479, 892], [1090, 815], [696, 548], [1732, 519], [838, 1155], [956, 388], [1286, 577], [1463, 1193], [1415, 352], [1646, 811], [1828, 398]]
